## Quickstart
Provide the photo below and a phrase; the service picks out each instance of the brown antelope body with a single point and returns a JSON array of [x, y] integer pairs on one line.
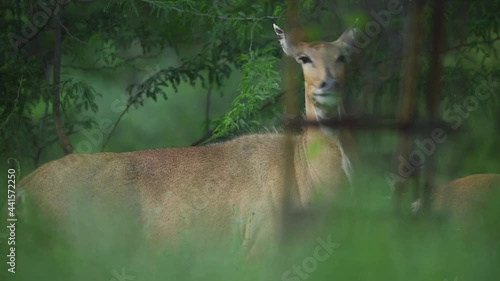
[[463, 198], [239, 180]]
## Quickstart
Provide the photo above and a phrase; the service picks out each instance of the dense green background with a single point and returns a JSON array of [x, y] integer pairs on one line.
[[184, 71]]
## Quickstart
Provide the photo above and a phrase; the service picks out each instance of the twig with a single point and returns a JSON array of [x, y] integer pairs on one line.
[[251, 38], [40, 129], [204, 138], [453, 48], [39, 29], [129, 104], [41, 146], [52, 141], [114, 67], [469, 44], [13, 104], [207, 110], [209, 134], [197, 13], [71, 35], [138, 94], [56, 78]]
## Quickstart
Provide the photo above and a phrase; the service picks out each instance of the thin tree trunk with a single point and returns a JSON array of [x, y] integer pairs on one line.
[[56, 106], [207, 111], [432, 95], [408, 91]]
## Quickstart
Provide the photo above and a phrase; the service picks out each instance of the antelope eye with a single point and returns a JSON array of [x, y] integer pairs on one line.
[[341, 59], [303, 59]]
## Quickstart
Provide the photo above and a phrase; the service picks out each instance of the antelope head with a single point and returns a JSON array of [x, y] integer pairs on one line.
[[323, 65]]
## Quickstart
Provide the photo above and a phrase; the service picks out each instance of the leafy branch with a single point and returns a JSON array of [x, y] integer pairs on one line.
[[191, 71], [259, 84], [187, 7]]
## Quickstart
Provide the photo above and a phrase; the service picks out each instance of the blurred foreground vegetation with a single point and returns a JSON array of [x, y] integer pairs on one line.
[[370, 244]]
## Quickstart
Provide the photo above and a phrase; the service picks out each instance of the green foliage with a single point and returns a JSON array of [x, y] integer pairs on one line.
[[79, 94], [259, 86], [216, 32], [213, 41], [189, 72]]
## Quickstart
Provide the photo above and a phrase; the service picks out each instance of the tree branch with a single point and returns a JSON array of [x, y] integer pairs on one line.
[[408, 88], [71, 35], [56, 79], [197, 13], [45, 114], [470, 44], [207, 110], [452, 48], [112, 67], [11, 106], [209, 133], [50, 142]]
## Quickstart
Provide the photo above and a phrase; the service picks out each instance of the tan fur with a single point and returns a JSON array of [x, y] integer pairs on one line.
[[464, 197], [242, 180]]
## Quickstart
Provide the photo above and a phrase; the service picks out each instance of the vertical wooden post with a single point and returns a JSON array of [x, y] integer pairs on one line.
[[433, 93], [291, 111], [408, 89]]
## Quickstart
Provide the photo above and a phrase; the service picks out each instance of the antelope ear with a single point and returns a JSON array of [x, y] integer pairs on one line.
[[285, 45], [348, 37]]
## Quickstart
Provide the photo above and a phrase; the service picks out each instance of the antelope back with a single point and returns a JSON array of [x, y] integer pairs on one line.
[[468, 196]]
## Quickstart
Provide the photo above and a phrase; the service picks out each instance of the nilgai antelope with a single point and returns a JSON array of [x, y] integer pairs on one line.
[[465, 197], [243, 179]]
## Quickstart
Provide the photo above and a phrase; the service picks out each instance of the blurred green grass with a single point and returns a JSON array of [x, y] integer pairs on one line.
[[374, 245]]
